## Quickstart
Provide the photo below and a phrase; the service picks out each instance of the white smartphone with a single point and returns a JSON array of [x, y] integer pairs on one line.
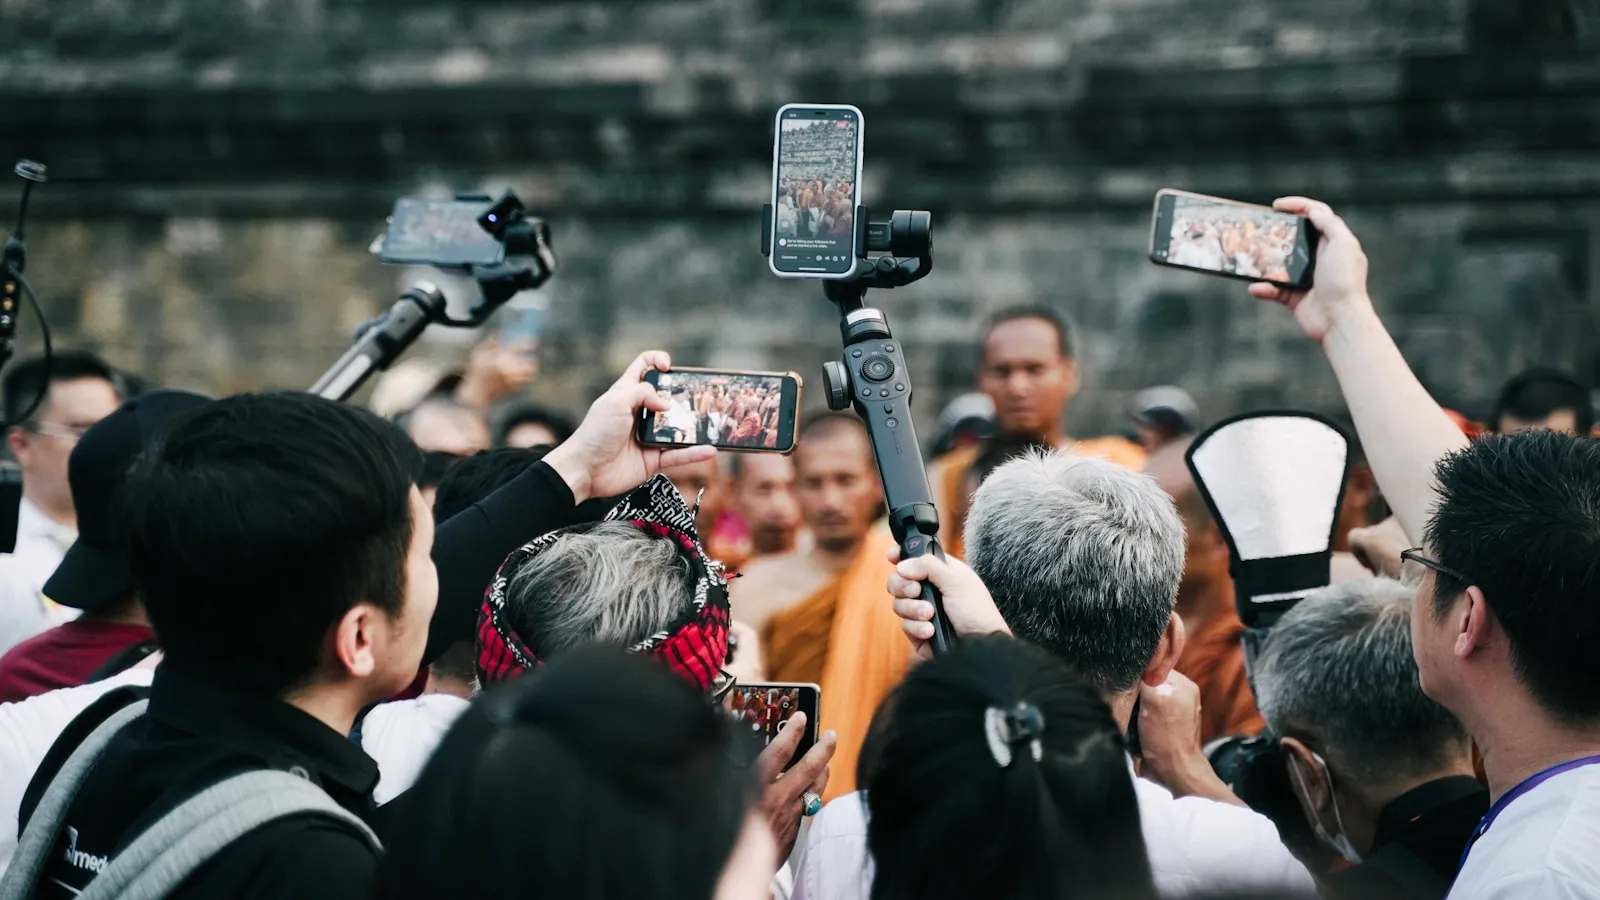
[[816, 179]]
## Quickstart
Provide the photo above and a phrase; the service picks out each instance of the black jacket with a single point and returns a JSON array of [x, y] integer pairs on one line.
[[1417, 845], [197, 733]]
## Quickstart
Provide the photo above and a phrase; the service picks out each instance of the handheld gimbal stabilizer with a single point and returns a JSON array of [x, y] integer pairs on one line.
[[380, 341], [873, 377]]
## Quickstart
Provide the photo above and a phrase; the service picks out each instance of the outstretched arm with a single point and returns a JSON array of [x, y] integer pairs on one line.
[[1403, 430]]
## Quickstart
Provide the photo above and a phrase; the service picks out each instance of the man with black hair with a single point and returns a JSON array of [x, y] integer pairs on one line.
[[113, 632], [79, 389], [533, 426], [1505, 621], [282, 551], [1544, 398], [1030, 370]]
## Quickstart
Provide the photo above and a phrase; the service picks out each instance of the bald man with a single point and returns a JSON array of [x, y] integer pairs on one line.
[[823, 611], [1212, 656], [1030, 371]]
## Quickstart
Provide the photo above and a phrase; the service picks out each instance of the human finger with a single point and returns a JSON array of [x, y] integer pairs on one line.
[[913, 610], [781, 750], [659, 360], [683, 456]]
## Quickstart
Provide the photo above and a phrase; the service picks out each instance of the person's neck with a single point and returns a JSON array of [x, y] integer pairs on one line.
[[771, 545], [834, 559], [1520, 740], [1361, 810], [61, 514], [1122, 708], [125, 612], [332, 705], [1203, 601]]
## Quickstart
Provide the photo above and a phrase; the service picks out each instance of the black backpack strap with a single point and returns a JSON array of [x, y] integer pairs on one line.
[[125, 659]]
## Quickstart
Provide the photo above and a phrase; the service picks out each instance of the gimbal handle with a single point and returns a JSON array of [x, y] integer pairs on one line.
[[872, 377]]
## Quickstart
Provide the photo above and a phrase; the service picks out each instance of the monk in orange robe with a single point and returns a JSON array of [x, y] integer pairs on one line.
[[1212, 656], [823, 611], [1028, 370]]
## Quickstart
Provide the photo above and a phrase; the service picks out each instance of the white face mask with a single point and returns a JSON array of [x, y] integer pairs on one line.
[[1339, 841]]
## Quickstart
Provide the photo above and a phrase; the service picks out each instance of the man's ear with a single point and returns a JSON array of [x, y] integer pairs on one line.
[[1069, 369], [1167, 652], [1312, 788], [353, 641], [17, 443], [1475, 622]]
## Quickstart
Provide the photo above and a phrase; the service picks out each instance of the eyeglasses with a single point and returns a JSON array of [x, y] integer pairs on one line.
[[1415, 558], [722, 686], [57, 430]]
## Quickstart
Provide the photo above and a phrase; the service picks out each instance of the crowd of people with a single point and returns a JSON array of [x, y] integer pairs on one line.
[[270, 645], [726, 410], [1238, 240], [816, 180]]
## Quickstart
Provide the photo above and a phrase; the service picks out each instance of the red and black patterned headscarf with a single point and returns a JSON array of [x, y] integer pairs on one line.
[[695, 647]]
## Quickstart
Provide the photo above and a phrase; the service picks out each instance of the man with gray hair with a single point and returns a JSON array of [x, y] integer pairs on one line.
[[1083, 557], [1383, 774]]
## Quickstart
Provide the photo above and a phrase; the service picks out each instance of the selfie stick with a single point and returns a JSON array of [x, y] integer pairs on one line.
[[873, 377], [380, 341]]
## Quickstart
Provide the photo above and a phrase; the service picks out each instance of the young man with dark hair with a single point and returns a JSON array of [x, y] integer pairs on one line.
[[1544, 398], [1505, 619], [113, 631], [1030, 370], [79, 389], [282, 550], [532, 426]]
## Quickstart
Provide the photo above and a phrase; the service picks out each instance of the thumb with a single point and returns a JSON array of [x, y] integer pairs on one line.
[[924, 568]]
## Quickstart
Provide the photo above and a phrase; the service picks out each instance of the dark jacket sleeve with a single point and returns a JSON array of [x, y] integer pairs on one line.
[[470, 546]]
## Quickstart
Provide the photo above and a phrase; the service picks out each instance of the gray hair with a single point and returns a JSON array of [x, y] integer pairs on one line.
[[610, 583], [1337, 670], [1083, 558]]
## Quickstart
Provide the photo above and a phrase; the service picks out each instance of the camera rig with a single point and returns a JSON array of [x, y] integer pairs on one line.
[[872, 376], [380, 341]]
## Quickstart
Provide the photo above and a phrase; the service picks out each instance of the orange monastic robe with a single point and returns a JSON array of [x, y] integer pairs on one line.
[[846, 639]]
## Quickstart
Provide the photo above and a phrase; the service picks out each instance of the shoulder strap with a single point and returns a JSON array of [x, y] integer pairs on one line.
[[1408, 871], [125, 659], [169, 851], [39, 838]]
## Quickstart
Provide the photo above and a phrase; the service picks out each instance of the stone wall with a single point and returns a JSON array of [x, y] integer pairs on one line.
[[219, 169]]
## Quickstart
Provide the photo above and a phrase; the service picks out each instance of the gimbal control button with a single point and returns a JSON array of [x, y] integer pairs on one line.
[[877, 368], [899, 387], [891, 422], [888, 348]]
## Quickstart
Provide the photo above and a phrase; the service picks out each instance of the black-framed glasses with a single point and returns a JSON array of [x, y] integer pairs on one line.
[[1414, 555]]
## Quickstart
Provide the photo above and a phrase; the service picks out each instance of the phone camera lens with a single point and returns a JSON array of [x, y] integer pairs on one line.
[[877, 368]]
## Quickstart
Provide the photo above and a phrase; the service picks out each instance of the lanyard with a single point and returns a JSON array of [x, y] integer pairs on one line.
[[1526, 785]]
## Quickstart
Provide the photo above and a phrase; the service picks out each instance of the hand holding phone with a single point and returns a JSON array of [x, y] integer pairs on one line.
[[1232, 239], [728, 409], [767, 707]]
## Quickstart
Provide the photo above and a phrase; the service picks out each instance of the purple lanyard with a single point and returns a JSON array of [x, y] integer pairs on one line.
[[1526, 785]]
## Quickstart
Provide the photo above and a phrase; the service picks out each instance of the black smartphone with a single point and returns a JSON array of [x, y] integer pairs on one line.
[[1232, 239], [816, 175], [767, 707], [441, 233], [753, 412]]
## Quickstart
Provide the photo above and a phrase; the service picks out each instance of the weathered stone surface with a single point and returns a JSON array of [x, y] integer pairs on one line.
[[220, 168]]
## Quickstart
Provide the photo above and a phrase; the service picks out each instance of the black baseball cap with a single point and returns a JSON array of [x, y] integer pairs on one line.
[[95, 572]]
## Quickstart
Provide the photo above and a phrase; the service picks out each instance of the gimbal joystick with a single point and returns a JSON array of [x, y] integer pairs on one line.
[[872, 377]]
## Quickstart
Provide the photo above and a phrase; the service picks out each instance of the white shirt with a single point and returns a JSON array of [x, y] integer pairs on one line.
[[399, 736], [41, 542], [1543, 844], [1196, 846]]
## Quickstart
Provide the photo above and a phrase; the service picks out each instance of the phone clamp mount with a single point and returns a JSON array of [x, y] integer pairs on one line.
[[380, 341], [873, 377]]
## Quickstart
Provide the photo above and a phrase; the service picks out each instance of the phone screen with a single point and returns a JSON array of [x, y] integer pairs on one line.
[[1235, 239], [767, 708], [439, 233], [817, 164], [736, 410]]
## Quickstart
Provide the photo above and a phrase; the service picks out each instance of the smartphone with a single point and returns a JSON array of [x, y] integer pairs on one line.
[[752, 412], [441, 233], [816, 175], [521, 321], [1232, 239], [766, 707]]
